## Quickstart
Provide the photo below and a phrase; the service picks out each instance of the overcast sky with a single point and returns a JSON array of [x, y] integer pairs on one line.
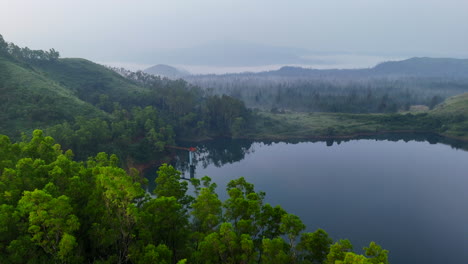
[[122, 30]]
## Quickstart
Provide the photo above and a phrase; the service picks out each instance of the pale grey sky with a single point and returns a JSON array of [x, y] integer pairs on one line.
[[140, 31]]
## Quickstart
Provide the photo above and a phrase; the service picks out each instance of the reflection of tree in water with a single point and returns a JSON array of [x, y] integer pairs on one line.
[[224, 151], [217, 152], [406, 137]]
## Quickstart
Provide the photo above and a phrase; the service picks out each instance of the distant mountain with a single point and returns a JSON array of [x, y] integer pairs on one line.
[[425, 67], [420, 67], [167, 71]]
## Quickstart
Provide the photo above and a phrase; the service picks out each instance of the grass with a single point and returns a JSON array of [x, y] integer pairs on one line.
[[455, 111], [457, 105], [30, 99], [310, 125], [449, 119]]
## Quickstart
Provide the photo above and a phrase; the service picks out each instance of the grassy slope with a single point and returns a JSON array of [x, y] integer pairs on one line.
[[457, 105], [46, 93], [88, 79], [31, 100], [449, 119], [308, 125], [456, 109]]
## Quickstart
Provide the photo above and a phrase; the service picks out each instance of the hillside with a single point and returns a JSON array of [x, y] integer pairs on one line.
[[454, 112], [32, 100], [89, 80], [457, 105]]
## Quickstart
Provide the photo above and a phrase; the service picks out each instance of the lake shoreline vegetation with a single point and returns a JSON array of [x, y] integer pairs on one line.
[[94, 209]]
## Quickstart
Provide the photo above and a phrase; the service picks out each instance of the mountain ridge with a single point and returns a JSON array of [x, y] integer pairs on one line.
[[168, 71], [416, 66]]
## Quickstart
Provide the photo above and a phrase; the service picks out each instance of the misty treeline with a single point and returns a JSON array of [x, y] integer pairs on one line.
[[351, 91], [26, 54], [56, 210], [188, 108]]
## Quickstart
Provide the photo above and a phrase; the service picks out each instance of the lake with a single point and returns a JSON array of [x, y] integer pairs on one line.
[[407, 193]]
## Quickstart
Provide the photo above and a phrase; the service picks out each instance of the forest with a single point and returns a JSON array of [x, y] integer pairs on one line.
[[383, 89], [57, 210]]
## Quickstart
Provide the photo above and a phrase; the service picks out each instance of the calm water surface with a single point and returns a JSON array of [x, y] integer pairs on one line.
[[410, 197]]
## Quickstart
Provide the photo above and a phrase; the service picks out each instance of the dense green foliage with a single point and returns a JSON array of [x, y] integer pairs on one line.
[[56, 210]]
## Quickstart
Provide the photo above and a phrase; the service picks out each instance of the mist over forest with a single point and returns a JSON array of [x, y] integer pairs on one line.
[[388, 87]]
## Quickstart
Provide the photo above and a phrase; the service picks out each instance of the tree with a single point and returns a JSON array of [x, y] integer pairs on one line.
[[51, 222], [291, 225], [376, 254], [315, 245], [353, 258], [207, 208], [270, 221], [168, 184], [165, 221], [3, 45], [275, 251], [243, 207], [338, 251], [226, 246], [152, 254], [113, 210]]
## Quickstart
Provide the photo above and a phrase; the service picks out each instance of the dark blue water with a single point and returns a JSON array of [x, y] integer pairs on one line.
[[410, 197]]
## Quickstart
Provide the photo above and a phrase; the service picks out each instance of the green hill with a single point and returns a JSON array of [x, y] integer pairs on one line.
[[39, 90], [89, 80], [457, 105], [30, 99], [454, 113]]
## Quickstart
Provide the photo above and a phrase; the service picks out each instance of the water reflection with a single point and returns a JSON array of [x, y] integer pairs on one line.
[[227, 151], [396, 189], [220, 152]]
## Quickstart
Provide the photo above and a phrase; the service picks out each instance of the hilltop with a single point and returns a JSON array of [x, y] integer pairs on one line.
[[167, 71], [420, 67]]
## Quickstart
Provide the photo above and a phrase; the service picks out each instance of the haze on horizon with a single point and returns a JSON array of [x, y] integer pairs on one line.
[[208, 33]]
